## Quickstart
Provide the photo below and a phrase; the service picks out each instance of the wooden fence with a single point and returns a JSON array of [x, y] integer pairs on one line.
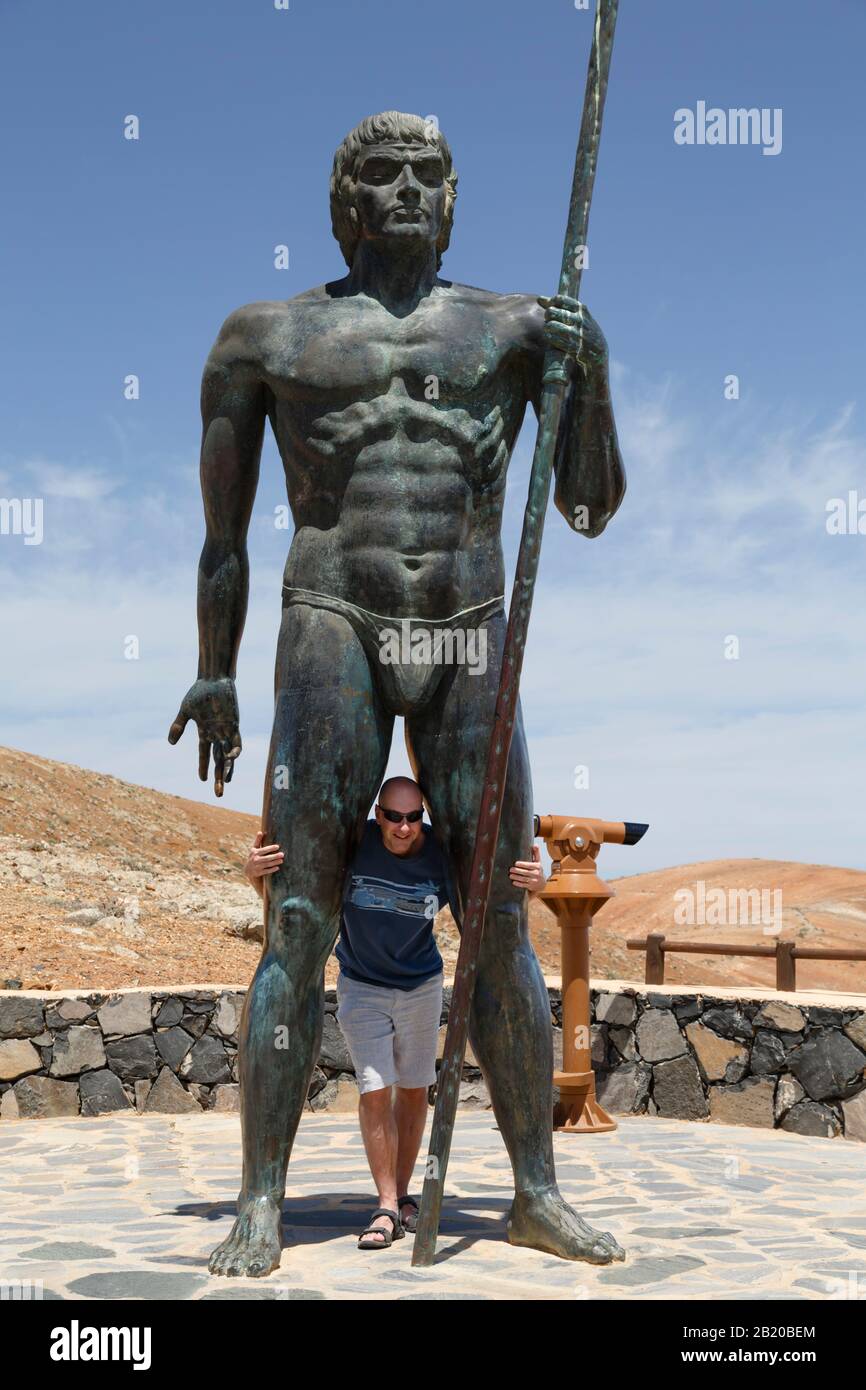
[[786, 954]]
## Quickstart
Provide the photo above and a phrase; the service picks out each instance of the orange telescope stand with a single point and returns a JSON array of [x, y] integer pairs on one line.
[[574, 893]]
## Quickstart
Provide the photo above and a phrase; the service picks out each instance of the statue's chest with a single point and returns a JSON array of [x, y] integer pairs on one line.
[[346, 359]]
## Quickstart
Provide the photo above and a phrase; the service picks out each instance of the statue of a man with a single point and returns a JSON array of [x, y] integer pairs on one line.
[[395, 397]]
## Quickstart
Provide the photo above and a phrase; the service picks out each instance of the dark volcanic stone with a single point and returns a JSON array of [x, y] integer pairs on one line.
[[131, 1058], [768, 1053], [20, 1018], [828, 1065], [101, 1092], [207, 1063], [729, 1023], [677, 1090], [169, 1013], [334, 1054], [173, 1045], [810, 1118]]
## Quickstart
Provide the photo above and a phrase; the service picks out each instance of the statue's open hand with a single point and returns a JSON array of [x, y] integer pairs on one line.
[[570, 327], [213, 704]]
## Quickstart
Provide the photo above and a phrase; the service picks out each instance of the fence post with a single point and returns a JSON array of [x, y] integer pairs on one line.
[[655, 959], [786, 965]]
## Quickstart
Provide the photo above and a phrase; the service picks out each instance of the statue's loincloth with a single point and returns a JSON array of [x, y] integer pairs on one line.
[[409, 656]]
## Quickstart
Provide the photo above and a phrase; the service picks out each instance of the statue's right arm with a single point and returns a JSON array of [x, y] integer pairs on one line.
[[233, 410]]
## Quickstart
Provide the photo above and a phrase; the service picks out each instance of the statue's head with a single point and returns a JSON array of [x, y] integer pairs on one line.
[[393, 178]]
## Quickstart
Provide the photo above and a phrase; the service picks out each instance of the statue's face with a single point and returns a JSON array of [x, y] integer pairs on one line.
[[400, 194]]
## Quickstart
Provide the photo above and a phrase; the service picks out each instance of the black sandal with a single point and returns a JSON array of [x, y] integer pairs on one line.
[[410, 1222], [388, 1237]]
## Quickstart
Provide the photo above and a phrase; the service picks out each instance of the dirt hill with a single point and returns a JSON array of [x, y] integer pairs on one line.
[[104, 885]]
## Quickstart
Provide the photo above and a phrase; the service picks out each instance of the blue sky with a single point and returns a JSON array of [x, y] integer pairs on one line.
[[124, 257]]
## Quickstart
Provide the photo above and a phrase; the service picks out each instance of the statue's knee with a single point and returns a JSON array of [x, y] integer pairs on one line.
[[298, 924]]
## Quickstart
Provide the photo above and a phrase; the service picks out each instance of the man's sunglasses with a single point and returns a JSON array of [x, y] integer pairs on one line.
[[395, 817]]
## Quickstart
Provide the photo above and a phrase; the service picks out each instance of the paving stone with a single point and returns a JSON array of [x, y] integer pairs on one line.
[[652, 1269], [68, 1250], [137, 1283], [126, 1015], [244, 1292]]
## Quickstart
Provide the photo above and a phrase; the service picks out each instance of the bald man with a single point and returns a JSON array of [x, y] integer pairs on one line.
[[389, 989]]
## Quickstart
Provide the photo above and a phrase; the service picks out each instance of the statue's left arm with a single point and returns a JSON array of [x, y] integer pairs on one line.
[[588, 466]]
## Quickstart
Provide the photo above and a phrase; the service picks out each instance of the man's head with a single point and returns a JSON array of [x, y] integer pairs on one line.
[[393, 181], [400, 797]]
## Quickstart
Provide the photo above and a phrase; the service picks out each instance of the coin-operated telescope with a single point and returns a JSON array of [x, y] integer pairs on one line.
[[574, 893]]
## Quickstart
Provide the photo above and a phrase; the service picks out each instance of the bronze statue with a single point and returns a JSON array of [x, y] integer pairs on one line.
[[395, 397]]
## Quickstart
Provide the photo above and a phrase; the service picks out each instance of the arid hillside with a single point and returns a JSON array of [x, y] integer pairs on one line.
[[104, 884]]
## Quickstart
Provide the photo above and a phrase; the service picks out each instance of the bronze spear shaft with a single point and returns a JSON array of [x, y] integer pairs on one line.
[[555, 381]]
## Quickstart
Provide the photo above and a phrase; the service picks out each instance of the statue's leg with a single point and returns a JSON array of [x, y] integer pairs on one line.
[[328, 753], [510, 1023]]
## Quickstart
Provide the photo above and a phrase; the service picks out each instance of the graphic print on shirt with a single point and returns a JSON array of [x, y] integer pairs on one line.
[[382, 895]]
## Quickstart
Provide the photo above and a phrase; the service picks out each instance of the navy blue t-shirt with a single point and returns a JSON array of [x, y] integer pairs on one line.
[[388, 909]]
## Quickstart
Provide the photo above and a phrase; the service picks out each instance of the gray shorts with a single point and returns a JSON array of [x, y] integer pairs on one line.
[[390, 1033]]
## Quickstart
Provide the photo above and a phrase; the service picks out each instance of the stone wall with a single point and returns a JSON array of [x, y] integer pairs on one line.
[[785, 1061], [157, 1050], [736, 1057]]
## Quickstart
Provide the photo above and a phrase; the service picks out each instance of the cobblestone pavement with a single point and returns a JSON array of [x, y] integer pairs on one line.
[[130, 1207]]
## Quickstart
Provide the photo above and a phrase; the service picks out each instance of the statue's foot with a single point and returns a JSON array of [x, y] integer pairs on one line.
[[255, 1243], [545, 1221]]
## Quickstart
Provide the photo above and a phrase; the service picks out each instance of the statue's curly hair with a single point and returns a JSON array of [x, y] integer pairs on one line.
[[389, 127]]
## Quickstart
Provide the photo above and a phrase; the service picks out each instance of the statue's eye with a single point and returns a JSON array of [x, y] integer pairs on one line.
[[379, 171]]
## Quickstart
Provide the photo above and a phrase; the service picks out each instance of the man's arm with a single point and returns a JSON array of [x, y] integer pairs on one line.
[[233, 410], [590, 475]]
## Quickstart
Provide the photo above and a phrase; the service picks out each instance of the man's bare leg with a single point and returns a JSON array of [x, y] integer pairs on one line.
[[328, 752], [379, 1132], [510, 1023], [392, 1135], [410, 1111]]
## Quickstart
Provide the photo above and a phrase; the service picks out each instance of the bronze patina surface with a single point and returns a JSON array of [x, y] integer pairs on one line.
[[395, 397]]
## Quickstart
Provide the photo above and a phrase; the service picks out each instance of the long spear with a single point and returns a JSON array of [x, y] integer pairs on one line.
[[555, 380]]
